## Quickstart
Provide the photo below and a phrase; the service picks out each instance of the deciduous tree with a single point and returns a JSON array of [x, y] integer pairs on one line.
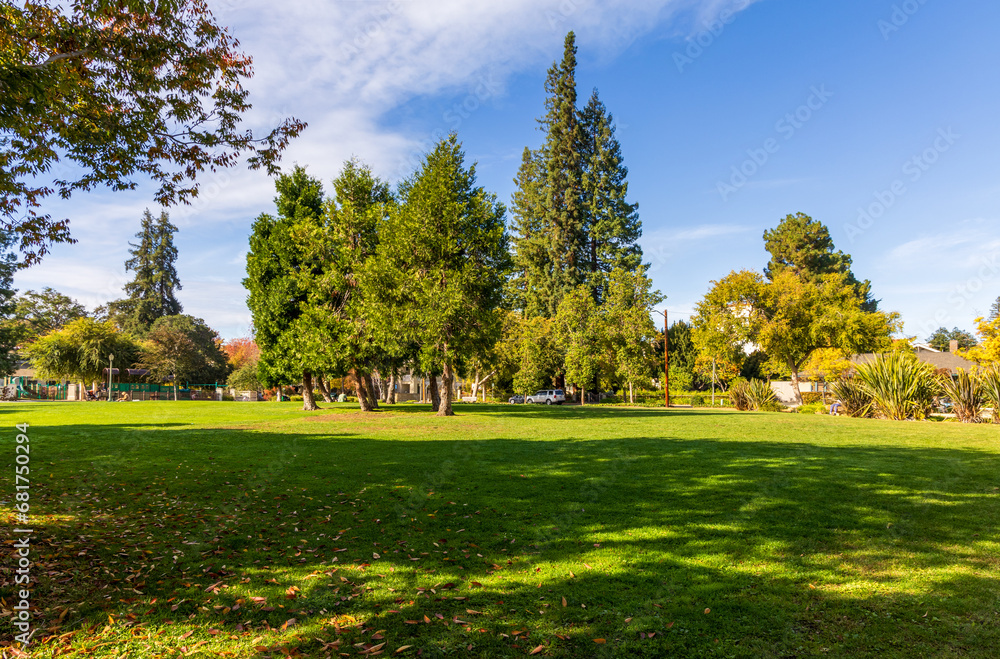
[[41, 312], [116, 90]]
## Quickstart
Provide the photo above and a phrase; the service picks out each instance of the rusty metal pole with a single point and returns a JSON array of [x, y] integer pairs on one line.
[[666, 363]]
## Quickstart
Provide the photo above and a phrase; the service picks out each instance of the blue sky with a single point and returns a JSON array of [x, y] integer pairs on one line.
[[877, 118]]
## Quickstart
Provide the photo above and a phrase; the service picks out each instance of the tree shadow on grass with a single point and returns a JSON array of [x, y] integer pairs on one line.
[[714, 546]]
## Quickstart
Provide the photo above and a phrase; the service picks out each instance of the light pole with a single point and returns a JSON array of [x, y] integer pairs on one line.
[[666, 360], [111, 361]]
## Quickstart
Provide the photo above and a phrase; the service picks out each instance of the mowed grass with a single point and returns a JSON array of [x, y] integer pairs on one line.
[[257, 530]]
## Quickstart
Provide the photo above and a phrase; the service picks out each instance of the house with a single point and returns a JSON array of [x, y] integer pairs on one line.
[[938, 359]]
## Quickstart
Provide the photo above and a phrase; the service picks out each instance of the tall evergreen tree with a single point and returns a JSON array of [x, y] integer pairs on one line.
[[164, 271], [529, 239], [563, 170], [549, 215], [611, 224], [150, 294]]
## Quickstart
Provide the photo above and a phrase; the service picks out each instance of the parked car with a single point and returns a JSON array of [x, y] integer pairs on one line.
[[548, 396], [516, 399]]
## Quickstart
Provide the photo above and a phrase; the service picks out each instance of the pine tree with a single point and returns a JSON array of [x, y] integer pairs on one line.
[[804, 246], [138, 310], [278, 299], [611, 224], [547, 204], [150, 294], [444, 255], [164, 272], [529, 240]]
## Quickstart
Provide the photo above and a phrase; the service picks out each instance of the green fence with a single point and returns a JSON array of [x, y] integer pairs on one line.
[[148, 391]]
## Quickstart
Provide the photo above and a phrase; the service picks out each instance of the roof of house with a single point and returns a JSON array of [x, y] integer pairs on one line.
[[936, 359]]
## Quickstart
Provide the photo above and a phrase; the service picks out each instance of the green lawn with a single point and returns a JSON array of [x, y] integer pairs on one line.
[[255, 530]]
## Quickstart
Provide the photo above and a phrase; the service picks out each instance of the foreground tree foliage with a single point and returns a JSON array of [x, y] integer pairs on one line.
[[118, 90], [81, 350]]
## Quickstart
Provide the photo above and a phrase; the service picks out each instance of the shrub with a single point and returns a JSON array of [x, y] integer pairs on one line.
[[761, 396], [814, 408], [810, 397], [739, 397], [697, 401], [900, 386], [966, 395]]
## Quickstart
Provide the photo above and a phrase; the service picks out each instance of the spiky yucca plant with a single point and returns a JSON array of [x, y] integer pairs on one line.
[[760, 395], [738, 395], [989, 383], [854, 396], [966, 395], [900, 386]]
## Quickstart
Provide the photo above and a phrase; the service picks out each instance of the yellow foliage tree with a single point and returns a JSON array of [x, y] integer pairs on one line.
[[988, 350]]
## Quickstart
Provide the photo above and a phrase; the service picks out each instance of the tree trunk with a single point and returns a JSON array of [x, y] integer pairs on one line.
[[631, 395], [175, 391], [391, 394], [277, 395], [372, 394], [444, 406], [583, 395], [324, 390], [308, 401], [363, 400], [435, 394], [383, 385], [795, 383]]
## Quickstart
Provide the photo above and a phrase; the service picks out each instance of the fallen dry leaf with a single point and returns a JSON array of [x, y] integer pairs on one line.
[[537, 650]]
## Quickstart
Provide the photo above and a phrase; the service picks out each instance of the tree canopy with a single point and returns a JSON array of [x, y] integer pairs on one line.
[[942, 337], [444, 255], [119, 90], [803, 245], [81, 350], [41, 312], [789, 318]]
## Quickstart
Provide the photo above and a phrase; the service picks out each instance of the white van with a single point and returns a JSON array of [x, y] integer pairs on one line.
[[548, 396]]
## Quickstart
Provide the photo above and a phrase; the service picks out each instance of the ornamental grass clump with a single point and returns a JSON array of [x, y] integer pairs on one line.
[[854, 397], [900, 386], [966, 395], [989, 383], [761, 396], [738, 396]]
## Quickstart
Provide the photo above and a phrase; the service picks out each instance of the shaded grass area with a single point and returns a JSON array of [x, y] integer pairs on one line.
[[255, 530]]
